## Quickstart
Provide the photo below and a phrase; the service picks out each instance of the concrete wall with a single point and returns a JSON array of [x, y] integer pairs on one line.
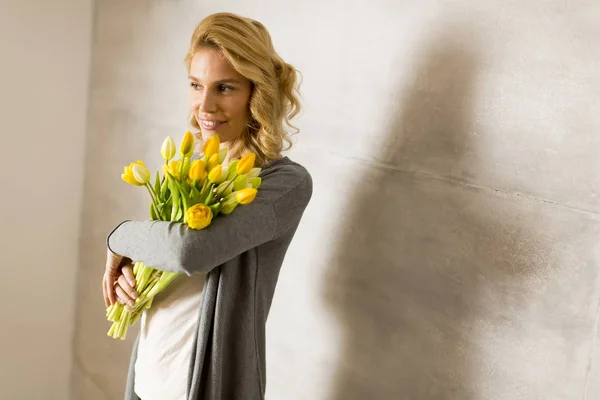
[[45, 52], [451, 247]]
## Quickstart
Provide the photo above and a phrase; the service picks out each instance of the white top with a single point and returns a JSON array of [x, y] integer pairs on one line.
[[166, 334]]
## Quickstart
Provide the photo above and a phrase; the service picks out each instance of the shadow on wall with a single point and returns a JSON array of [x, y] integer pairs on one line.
[[411, 284]]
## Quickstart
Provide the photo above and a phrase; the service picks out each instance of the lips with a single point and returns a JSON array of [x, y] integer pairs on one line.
[[211, 124]]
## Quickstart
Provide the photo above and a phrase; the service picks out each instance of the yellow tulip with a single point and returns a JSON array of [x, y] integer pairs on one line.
[[222, 154], [198, 216], [197, 170], [246, 164], [167, 151], [211, 146], [246, 196], [187, 145], [172, 168], [216, 174], [136, 174], [213, 161], [140, 173], [127, 176]]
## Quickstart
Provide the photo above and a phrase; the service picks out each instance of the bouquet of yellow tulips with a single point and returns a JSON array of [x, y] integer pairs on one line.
[[192, 192]]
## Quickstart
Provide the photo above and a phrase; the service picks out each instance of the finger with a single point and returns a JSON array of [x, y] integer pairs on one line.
[[124, 297], [128, 272], [106, 291], [110, 289], [106, 302], [125, 286]]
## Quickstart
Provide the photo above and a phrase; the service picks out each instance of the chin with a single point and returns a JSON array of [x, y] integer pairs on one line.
[[208, 134]]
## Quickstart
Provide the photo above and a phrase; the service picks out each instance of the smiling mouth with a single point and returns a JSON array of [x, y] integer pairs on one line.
[[210, 125]]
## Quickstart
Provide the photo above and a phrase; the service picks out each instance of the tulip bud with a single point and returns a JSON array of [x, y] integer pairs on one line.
[[245, 196], [140, 173], [136, 174], [255, 182], [240, 182], [224, 189], [187, 145], [246, 164], [254, 172], [127, 176], [213, 161], [217, 175], [167, 151], [197, 170], [232, 169], [211, 146], [229, 204], [228, 209], [222, 154]]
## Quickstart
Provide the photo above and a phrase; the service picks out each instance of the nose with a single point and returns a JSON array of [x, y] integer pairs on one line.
[[207, 102]]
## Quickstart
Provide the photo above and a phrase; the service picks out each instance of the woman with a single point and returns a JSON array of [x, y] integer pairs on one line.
[[204, 337]]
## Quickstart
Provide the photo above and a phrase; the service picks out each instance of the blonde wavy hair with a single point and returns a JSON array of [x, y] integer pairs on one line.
[[247, 46]]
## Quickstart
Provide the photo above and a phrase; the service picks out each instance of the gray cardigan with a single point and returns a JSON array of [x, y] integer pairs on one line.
[[242, 254]]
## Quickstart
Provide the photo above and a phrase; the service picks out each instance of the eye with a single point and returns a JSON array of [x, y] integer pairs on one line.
[[225, 88], [195, 86]]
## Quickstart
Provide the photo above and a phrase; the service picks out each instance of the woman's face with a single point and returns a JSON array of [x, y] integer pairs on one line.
[[219, 96]]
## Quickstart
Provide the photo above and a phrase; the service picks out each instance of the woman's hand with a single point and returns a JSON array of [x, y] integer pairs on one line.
[[113, 271], [125, 291]]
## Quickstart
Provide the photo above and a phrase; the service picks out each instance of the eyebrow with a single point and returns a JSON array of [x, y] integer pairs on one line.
[[228, 80]]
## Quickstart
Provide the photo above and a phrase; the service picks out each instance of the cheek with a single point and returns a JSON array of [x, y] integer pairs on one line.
[[193, 101], [240, 109]]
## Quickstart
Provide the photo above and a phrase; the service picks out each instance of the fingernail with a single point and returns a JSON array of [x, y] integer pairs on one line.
[[131, 283], [131, 303], [134, 295]]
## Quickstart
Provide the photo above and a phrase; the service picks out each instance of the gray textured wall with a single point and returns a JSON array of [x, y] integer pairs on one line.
[[451, 247]]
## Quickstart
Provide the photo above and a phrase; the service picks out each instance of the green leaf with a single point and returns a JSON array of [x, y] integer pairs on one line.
[[194, 196], [153, 215], [157, 185], [164, 188], [175, 194], [179, 215], [209, 195], [165, 211]]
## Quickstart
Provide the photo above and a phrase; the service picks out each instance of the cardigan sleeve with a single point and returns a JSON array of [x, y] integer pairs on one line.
[[174, 247]]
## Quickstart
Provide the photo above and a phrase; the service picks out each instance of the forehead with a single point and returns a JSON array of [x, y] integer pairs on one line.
[[209, 64]]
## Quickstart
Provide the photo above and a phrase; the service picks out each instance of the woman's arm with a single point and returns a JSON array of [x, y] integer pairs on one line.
[[174, 247]]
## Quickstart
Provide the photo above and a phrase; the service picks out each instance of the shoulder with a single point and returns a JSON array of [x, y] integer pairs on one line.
[[284, 177]]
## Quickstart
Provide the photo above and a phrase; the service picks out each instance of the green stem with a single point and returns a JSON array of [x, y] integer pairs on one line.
[[153, 201], [181, 168]]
